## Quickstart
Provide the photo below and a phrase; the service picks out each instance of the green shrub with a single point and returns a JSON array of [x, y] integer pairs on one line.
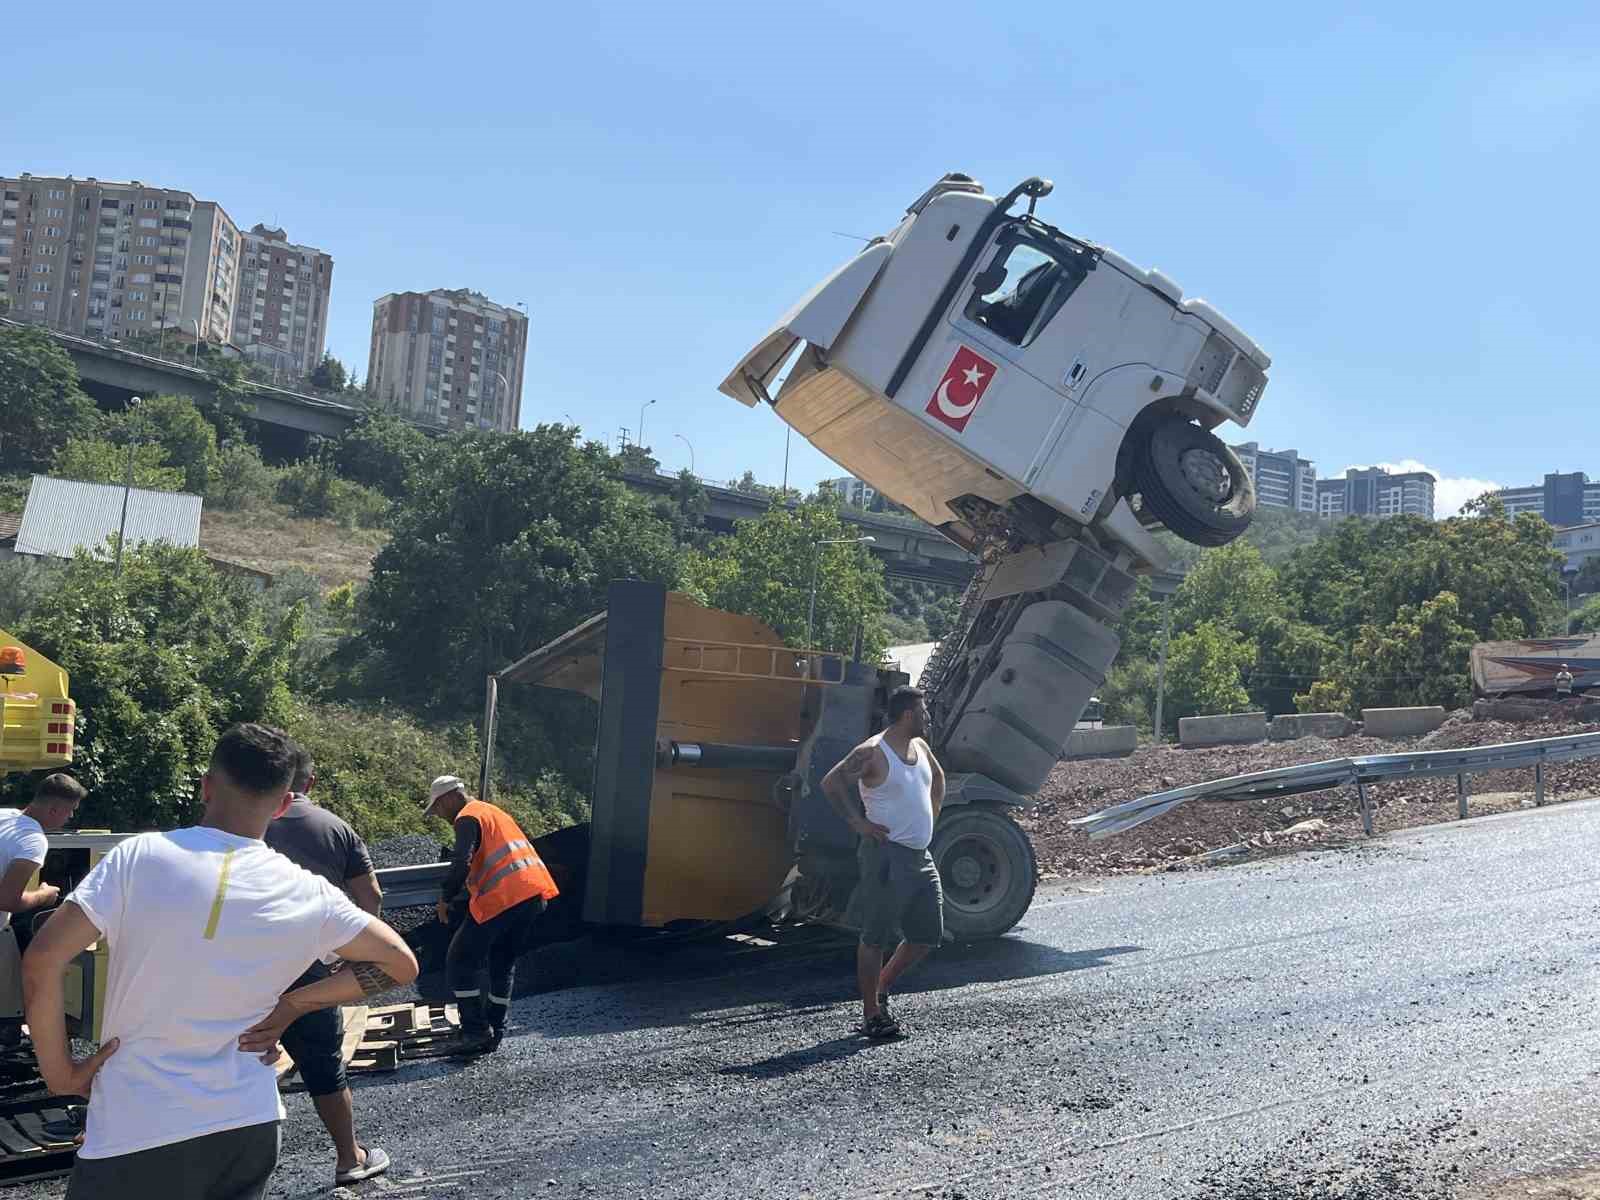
[[312, 488], [239, 479]]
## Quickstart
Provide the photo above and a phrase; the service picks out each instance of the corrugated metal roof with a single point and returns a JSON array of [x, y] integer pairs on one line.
[[63, 514]]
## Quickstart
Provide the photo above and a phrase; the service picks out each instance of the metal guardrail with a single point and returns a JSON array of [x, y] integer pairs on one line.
[[1361, 772], [407, 887]]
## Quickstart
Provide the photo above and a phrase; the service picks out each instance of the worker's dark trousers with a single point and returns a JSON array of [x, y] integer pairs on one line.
[[495, 944]]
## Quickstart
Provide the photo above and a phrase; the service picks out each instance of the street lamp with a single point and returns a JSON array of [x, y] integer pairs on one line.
[[127, 486], [640, 440], [196, 323], [690, 444], [816, 561], [499, 408]]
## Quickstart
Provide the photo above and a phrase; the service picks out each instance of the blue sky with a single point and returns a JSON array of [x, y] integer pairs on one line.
[[1398, 206]]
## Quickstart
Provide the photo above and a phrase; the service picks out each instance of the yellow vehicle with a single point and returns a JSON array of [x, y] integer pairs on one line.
[[37, 723]]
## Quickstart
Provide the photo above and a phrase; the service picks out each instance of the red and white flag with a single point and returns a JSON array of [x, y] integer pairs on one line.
[[964, 382]]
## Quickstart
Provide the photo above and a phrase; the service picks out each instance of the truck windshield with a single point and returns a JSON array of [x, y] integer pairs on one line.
[[1026, 282]]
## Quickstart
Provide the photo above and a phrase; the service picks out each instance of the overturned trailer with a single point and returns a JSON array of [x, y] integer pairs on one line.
[[707, 806]]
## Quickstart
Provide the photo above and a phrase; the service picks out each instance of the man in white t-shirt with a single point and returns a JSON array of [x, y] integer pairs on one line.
[[206, 927], [22, 850]]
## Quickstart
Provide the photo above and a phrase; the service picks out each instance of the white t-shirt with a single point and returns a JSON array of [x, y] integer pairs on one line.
[[206, 929], [21, 837]]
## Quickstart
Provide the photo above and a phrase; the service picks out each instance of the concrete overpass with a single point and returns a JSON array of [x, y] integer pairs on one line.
[[907, 548], [112, 374]]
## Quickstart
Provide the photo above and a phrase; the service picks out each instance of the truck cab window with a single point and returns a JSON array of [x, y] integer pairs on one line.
[[1020, 290]]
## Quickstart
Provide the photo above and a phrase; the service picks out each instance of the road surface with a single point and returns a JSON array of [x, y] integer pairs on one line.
[[1407, 1018]]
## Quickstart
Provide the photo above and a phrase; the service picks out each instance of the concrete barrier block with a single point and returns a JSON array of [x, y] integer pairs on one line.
[[1232, 729], [1289, 726], [1401, 722], [1112, 741]]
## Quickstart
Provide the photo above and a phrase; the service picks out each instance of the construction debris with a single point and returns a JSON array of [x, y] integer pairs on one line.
[[1185, 836]]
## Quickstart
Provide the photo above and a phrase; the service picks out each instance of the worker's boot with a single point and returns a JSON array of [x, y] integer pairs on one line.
[[476, 1035], [498, 1014]]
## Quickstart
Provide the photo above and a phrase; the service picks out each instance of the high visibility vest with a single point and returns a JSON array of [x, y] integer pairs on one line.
[[505, 869]]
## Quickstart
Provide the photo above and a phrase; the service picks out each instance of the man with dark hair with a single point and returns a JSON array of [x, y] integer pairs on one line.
[[314, 838], [499, 879], [22, 849], [207, 927], [902, 902]]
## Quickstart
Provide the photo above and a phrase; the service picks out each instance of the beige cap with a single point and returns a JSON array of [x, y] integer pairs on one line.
[[442, 786]]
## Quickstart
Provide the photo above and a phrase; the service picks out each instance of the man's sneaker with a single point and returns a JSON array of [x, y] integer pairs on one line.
[[883, 1003], [882, 1028]]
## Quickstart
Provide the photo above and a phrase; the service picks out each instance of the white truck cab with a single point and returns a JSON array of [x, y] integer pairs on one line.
[[1000, 377]]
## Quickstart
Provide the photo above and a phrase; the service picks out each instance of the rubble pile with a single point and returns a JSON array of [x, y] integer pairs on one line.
[[1199, 834]]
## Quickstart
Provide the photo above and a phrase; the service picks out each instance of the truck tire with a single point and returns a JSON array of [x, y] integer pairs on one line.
[[988, 870], [1193, 483]]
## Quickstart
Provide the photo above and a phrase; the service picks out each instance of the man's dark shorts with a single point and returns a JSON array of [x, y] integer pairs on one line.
[[901, 896], [316, 1043], [236, 1163]]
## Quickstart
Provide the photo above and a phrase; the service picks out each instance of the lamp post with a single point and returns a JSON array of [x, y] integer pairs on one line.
[[816, 561], [127, 486], [639, 441], [689, 444], [196, 323], [499, 408]]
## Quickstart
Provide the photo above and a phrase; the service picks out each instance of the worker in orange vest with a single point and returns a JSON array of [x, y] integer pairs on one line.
[[499, 878]]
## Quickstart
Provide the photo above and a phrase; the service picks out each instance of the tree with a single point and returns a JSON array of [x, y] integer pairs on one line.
[[41, 406], [1231, 587], [186, 439], [329, 374], [1419, 658], [161, 660], [637, 460], [1204, 669], [1586, 619], [380, 451], [502, 542], [764, 569], [1587, 580], [96, 460]]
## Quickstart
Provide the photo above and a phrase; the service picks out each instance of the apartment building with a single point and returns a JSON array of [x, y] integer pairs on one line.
[[450, 357], [1283, 479], [1562, 499], [281, 318], [855, 492], [116, 260], [1375, 492]]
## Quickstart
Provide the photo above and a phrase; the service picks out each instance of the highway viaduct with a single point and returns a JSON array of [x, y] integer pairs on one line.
[[111, 374]]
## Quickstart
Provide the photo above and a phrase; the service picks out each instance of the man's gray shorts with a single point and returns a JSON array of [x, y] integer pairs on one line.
[[235, 1164], [901, 896]]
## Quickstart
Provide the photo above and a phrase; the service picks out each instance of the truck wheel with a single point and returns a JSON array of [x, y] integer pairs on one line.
[[1193, 483], [988, 870]]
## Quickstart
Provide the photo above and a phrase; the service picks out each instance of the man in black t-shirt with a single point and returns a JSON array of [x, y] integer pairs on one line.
[[324, 844]]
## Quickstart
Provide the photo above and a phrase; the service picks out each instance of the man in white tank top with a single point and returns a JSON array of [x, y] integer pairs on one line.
[[902, 902]]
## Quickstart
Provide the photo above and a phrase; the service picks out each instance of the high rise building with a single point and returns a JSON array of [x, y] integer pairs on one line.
[[116, 260], [1283, 479], [1562, 499], [451, 358], [1375, 492], [281, 319], [853, 491]]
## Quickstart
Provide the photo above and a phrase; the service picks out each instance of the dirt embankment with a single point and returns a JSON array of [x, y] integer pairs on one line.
[[1178, 839]]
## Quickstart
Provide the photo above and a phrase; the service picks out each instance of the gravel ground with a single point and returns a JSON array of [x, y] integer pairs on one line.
[[1173, 840]]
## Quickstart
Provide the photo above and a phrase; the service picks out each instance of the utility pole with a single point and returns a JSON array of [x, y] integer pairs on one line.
[[127, 487], [1161, 664]]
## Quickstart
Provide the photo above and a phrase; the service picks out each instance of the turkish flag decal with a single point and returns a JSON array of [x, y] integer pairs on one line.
[[964, 382]]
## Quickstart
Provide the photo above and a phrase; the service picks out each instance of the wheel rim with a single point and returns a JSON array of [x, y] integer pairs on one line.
[[976, 873], [1207, 474]]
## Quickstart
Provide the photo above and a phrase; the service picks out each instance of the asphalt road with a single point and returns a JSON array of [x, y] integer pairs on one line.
[[1403, 1019]]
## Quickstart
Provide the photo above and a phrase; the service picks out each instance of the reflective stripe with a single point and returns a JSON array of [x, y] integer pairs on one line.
[[216, 901], [485, 866], [522, 864], [502, 1001], [468, 995]]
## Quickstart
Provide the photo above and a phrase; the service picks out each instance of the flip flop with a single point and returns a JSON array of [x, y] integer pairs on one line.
[[377, 1162]]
